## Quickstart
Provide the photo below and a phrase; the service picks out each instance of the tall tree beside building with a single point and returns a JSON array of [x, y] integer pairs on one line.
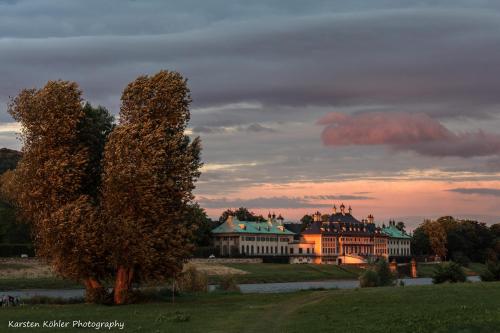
[[150, 167], [49, 183], [437, 237], [242, 214]]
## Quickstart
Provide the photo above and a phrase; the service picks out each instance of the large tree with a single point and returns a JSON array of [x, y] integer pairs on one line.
[[150, 167], [242, 214], [436, 233], [54, 184]]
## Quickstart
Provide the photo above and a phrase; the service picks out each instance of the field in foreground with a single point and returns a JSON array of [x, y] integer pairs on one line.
[[442, 308]]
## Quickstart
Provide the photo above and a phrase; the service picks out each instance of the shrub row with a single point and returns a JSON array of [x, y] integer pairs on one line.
[[15, 250]]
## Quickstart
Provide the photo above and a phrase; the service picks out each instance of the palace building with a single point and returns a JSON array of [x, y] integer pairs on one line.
[[250, 238], [338, 238]]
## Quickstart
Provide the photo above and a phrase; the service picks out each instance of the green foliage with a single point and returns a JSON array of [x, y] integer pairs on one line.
[[196, 217], [15, 250], [460, 258], [12, 231], [379, 276], [401, 226], [228, 283], [449, 272], [242, 213], [461, 240], [192, 280], [492, 272], [8, 159], [386, 278], [369, 279], [306, 220], [93, 131]]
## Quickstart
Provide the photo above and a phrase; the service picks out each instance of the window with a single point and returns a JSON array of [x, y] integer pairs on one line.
[[291, 250], [307, 250], [267, 249], [251, 248], [300, 250], [258, 249]]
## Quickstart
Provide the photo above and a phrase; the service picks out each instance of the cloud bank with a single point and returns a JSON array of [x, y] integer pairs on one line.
[[416, 132]]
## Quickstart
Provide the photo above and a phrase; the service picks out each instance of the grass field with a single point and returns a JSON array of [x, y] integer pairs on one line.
[[441, 308], [427, 270], [262, 273], [33, 275]]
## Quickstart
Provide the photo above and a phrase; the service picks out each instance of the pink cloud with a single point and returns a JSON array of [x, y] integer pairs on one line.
[[405, 131]]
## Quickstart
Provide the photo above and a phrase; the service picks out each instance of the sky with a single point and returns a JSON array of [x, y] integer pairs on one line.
[[392, 107]]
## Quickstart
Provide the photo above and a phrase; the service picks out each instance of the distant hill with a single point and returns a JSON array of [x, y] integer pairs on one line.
[[8, 159]]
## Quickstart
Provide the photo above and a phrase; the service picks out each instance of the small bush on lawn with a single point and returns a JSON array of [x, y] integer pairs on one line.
[[380, 276], [192, 280], [228, 283], [449, 272], [369, 278], [492, 272]]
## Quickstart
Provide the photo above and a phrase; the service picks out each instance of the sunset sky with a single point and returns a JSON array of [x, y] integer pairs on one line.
[[393, 109]]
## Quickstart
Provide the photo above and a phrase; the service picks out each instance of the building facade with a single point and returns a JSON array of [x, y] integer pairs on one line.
[[399, 241], [338, 238], [248, 238]]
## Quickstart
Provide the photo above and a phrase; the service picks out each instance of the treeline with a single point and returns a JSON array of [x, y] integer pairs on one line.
[[459, 240]]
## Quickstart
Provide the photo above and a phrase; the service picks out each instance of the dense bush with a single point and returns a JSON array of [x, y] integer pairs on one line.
[[228, 283], [369, 278], [449, 272], [15, 250], [492, 272], [461, 258], [192, 280], [380, 276]]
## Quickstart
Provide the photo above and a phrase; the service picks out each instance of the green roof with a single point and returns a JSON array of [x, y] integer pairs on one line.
[[394, 232], [251, 227]]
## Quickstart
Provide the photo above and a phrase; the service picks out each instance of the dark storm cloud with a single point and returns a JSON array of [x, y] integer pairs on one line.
[[479, 191], [449, 58]]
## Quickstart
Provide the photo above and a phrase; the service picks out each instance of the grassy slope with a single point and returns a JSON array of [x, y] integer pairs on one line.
[[261, 273], [427, 270], [443, 308]]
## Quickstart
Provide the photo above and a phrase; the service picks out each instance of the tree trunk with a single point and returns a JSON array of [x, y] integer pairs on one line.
[[94, 291], [123, 283]]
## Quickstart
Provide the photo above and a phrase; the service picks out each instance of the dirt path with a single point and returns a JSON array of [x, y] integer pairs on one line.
[[278, 315]]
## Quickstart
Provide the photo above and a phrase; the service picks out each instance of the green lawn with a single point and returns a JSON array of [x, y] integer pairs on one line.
[[36, 283], [427, 269], [443, 308], [262, 273]]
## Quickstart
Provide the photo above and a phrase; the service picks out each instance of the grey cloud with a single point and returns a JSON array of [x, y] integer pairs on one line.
[[338, 197], [397, 57], [260, 202], [479, 191], [252, 128]]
